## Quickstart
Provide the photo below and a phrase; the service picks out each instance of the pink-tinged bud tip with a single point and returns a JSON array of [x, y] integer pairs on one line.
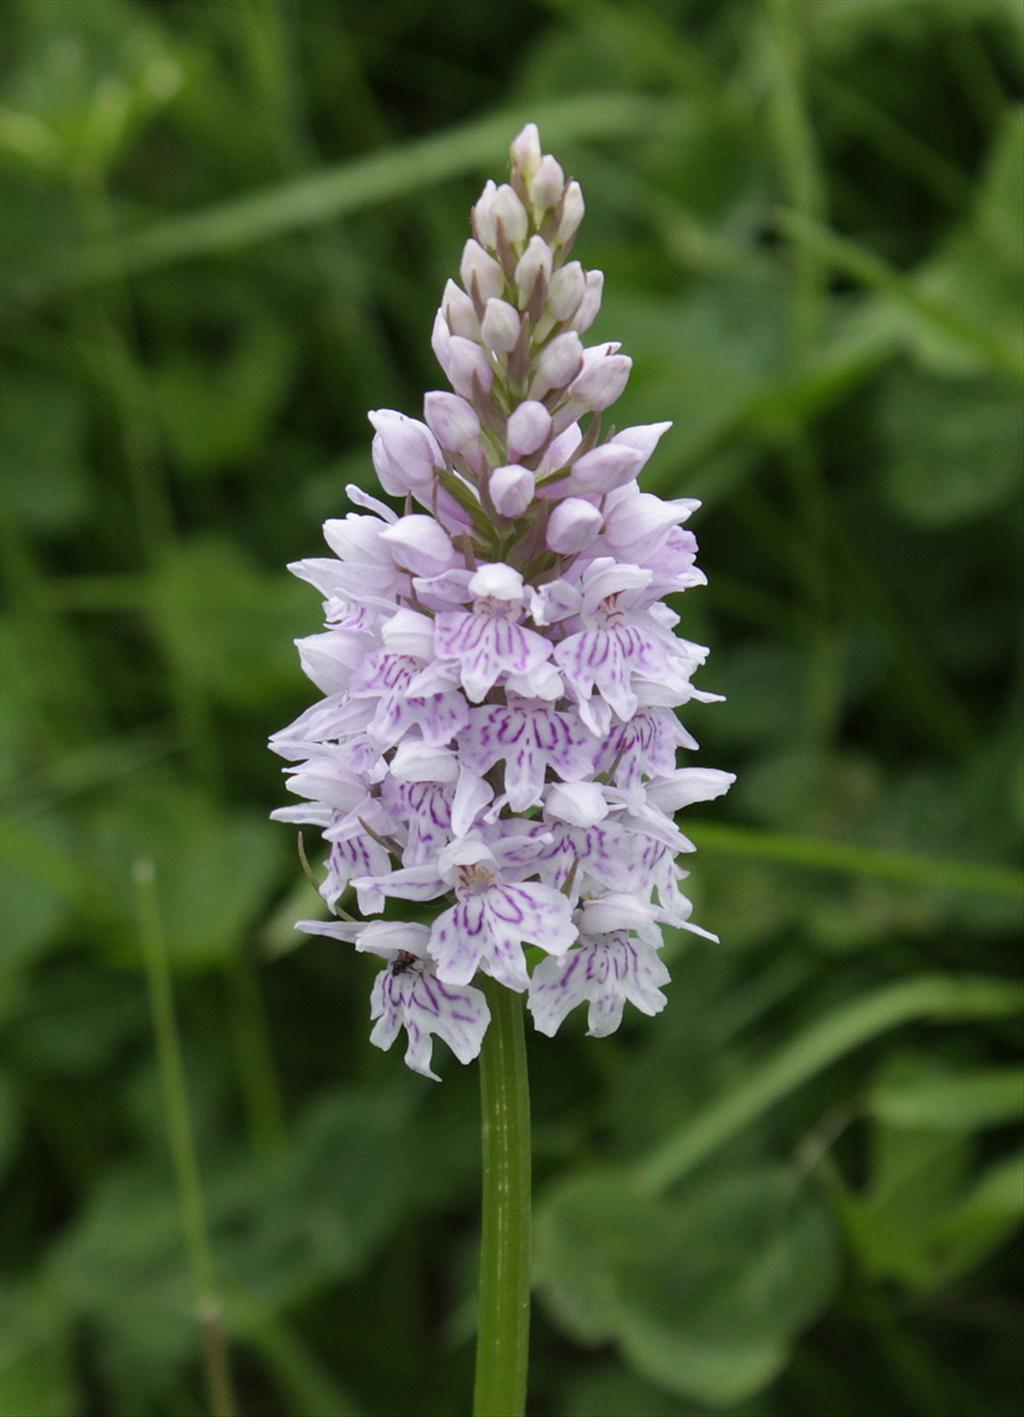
[[529, 428], [525, 151], [574, 524], [420, 545], [601, 384], [511, 489], [499, 327]]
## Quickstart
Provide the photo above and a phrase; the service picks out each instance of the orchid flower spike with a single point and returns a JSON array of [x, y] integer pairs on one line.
[[497, 737]]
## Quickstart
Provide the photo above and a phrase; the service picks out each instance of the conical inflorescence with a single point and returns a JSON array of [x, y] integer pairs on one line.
[[498, 735]]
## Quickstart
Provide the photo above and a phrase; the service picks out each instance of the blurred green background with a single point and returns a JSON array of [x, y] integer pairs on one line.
[[226, 225]]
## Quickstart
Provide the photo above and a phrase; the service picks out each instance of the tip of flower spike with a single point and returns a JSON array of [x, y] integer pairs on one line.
[[525, 150]]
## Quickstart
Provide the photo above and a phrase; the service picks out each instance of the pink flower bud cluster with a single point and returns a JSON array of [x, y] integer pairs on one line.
[[500, 672]]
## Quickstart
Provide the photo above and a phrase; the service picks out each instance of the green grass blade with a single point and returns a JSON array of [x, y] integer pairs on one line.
[[353, 186], [817, 854], [862, 265], [940, 998]]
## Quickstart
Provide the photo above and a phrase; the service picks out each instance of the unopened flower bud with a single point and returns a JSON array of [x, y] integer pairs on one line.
[[561, 361], [420, 545], [416, 761], [602, 382], [496, 582], [574, 524], [546, 186], [511, 489], [484, 223], [529, 427], [644, 437], [476, 263], [500, 326], [561, 448], [459, 312], [510, 212], [525, 150], [590, 304], [604, 468], [573, 208], [468, 364], [644, 519], [581, 804], [405, 452], [409, 632], [566, 290], [535, 261], [452, 421]]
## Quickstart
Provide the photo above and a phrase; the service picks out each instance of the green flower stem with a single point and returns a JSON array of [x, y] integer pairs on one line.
[[503, 1335], [183, 1147]]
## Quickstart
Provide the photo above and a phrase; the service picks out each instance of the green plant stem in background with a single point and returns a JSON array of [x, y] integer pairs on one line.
[[820, 854], [183, 1149], [257, 1073], [842, 254], [503, 1332]]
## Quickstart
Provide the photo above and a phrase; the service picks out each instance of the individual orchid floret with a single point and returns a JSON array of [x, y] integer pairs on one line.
[[610, 967], [529, 738], [408, 994], [494, 759], [491, 919], [487, 642]]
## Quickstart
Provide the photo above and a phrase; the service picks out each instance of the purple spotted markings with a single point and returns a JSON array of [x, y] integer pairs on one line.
[[495, 751]]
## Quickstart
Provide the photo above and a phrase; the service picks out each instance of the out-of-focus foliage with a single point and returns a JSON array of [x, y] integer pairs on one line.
[[225, 228]]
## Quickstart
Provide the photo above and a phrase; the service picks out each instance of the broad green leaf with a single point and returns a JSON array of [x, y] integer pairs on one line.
[[92, 78], [709, 355], [705, 1295], [280, 1231], [80, 1024], [611, 1387], [40, 886], [219, 409], [230, 626], [587, 1229], [215, 869], [922, 1220], [42, 452], [952, 449], [36, 1359], [988, 1215], [11, 1115]]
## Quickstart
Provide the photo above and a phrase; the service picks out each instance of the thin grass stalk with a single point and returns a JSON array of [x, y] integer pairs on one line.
[[209, 1306]]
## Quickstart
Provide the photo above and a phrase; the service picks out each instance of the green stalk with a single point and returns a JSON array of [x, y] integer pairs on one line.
[[209, 1307], [503, 1334]]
